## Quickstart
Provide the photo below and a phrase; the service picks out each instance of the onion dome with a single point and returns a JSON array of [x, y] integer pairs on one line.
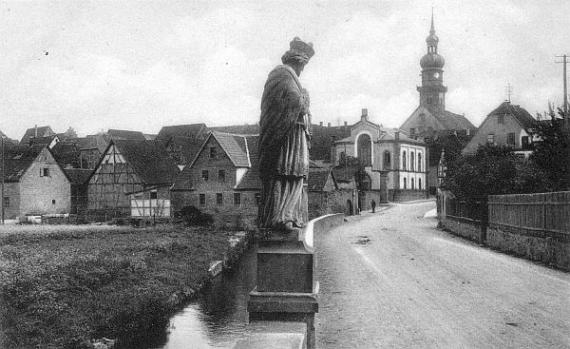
[[432, 60]]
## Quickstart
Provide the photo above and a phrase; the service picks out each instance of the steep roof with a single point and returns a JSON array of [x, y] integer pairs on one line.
[[39, 131], [149, 160], [318, 178], [78, 176], [453, 121], [245, 129], [234, 146], [523, 117], [126, 135], [17, 160], [186, 147], [251, 180], [188, 131]]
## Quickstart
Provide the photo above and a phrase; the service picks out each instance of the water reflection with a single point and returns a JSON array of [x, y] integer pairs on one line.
[[218, 318]]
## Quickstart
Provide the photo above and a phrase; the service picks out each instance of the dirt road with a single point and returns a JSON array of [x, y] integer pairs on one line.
[[392, 280]]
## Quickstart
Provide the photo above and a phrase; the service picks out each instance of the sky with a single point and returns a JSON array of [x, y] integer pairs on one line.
[[141, 65]]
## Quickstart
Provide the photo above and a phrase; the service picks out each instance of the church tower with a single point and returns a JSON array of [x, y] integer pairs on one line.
[[432, 91]]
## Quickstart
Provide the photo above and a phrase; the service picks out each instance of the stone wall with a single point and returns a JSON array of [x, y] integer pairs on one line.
[[326, 202], [543, 246], [464, 227]]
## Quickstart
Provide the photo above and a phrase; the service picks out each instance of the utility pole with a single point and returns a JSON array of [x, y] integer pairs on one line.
[[564, 62], [566, 116], [3, 175]]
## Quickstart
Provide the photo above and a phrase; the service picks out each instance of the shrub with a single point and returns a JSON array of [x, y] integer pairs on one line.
[[193, 216]]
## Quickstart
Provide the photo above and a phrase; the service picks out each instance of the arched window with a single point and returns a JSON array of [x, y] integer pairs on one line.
[[420, 162], [405, 183], [404, 160], [412, 161], [387, 160], [419, 183], [365, 149], [413, 184]]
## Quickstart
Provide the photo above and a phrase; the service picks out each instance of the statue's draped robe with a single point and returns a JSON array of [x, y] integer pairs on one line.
[[283, 150]]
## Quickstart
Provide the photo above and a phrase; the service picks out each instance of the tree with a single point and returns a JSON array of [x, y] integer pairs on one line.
[[493, 170], [552, 150]]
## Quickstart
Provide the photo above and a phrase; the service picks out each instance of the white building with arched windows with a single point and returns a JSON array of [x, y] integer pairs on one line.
[[393, 162]]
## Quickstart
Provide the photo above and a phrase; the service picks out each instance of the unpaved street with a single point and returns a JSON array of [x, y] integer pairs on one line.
[[391, 280]]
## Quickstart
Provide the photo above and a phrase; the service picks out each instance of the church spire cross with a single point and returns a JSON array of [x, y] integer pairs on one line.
[[432, 29]]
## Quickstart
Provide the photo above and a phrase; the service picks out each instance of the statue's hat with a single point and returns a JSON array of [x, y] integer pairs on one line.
[[301, 48]]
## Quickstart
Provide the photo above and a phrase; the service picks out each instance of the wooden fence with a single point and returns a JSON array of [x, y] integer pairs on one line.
[[474, 210], [543, 212]]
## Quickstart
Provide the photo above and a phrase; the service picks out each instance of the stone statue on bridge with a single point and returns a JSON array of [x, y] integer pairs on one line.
[[284, 143]]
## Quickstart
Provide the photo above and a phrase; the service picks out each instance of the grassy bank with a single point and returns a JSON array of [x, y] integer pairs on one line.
[[60, 287]]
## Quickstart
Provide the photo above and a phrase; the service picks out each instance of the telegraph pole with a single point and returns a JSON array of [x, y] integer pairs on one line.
[[3, 175], [566, 116], [564, 62]]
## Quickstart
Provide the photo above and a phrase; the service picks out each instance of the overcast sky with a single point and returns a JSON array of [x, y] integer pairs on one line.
[[142, 65]]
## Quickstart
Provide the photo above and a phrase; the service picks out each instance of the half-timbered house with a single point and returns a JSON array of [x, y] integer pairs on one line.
[[132, 179]]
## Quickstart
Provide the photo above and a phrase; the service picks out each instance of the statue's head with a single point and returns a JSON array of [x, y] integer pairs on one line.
[[298, 55]]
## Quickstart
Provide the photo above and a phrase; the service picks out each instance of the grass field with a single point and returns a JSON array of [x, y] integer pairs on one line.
[[61, 286]]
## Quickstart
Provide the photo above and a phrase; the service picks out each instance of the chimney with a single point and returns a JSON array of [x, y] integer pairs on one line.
[[321, 123], [36, 131], [364, 116], [329, 124], [345, 123]]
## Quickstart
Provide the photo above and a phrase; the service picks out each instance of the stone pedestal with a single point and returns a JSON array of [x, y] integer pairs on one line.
[[286, 290]]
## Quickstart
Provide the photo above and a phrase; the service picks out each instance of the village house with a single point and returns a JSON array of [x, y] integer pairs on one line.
[[508, 125], [35, 132], [182, 142], [394, 164], [132, 179], [222, 180], [34, 183]]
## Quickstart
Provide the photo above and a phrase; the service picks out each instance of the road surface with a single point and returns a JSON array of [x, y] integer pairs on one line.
[[391, 280]]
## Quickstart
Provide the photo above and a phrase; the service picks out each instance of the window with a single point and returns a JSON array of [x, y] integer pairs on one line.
[[257, 198], [412, 180], [501, 119], [6, 202], [404, 183], [404, 160], [525, 142], [205, 175], [53, 202], [153, 195], [419, 162], [491, 138], [412, 160], [387, 160], [44, 172], [237, 199], [419, 183], [202, 199], [511, 139], [213, 152], [219, 199], [222, 175]]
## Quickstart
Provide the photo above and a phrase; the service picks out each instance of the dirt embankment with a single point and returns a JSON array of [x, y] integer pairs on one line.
[[61, 287]]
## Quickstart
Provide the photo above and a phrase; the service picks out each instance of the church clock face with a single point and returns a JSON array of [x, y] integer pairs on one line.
[[436, 75]]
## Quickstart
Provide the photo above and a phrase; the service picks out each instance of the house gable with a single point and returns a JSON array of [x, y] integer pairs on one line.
[[44, 187], [500, 123]]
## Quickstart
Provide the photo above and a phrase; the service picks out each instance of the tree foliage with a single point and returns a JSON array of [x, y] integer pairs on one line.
[[493, 170], [552, 151]]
